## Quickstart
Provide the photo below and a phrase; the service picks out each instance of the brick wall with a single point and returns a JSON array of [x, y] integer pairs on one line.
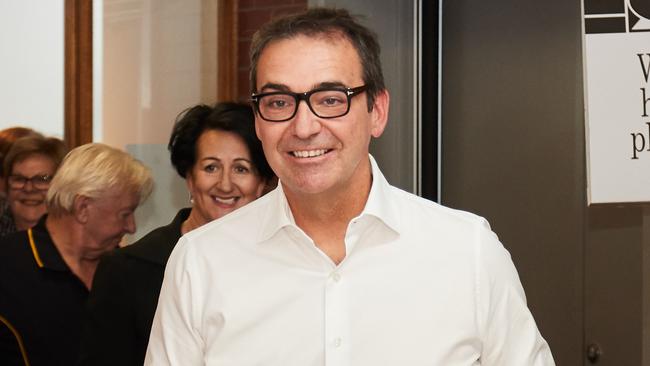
[[251, 15]]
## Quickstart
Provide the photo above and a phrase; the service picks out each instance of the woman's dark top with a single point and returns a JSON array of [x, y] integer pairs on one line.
[[41, 302], [124, 296], [7, 224]]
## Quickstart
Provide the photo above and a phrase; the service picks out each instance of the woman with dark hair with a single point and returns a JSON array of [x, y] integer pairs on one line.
[[218, 154]]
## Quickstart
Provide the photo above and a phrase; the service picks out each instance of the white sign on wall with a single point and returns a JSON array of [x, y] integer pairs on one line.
[[616, 52]]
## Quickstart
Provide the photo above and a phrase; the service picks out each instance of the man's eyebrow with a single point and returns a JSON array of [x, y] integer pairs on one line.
[[284, 88], [330, 84]]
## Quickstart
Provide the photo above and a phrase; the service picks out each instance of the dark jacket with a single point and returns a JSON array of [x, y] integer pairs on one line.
[[124, 296]]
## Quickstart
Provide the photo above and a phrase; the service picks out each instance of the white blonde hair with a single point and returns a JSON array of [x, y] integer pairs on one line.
[[91, 170]]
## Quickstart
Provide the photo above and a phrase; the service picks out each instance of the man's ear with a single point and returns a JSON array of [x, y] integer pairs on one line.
[[257, 127], [379, 113], [80, 207]]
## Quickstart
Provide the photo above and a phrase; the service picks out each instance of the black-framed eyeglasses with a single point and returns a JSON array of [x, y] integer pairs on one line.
[[17, 181], [282, 106]]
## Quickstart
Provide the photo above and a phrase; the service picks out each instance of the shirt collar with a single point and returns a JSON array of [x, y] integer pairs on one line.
[[278, 214], [45, 253], [380, 204]]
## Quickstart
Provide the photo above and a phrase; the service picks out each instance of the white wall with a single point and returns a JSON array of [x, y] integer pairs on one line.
[[31, 65], [153, 59]]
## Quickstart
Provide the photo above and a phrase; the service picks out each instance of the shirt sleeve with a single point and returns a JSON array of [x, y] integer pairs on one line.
[[108, 336], [175, 335], [510, 335]]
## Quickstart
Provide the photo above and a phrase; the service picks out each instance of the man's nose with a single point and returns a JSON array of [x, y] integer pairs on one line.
[[305, 123]]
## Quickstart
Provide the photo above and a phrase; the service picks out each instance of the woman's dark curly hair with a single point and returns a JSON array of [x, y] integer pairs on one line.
[[237, 118]]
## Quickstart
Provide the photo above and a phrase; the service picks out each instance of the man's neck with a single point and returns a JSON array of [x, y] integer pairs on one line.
[[324, 217], [68, 237]]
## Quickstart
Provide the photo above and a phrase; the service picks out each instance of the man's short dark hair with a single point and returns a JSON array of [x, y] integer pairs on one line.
[[329, 23]]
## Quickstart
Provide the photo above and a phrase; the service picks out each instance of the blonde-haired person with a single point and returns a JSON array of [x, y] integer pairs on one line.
[[92, 171], [29, 166], [91, 205]]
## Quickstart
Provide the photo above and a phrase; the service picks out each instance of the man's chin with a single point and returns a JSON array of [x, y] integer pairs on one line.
[[112, 244]]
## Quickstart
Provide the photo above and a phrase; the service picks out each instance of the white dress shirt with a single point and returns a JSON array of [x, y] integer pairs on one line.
[[421, 284]]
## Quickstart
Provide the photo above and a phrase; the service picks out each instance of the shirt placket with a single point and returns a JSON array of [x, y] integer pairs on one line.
[[337, 306], [337, 340]]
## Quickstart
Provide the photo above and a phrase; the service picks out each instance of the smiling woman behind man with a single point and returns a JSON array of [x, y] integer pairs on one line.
[[29, 165]]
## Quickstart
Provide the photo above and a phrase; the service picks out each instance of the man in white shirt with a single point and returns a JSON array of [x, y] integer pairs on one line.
[[335, 266]]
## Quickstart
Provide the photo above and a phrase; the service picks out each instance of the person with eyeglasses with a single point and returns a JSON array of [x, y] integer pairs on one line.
[[29, 166], [7, 138], [336, 266]]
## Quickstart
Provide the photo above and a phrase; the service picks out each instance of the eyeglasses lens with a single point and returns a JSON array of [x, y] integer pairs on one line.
[[324, 103], [38, 181]]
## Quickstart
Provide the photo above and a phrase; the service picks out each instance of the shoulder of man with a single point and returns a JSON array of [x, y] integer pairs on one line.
[[15, 249], [422, 209], [242, 225]]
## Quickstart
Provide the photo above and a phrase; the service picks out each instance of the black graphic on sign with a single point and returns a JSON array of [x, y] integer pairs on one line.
[[617, 16]]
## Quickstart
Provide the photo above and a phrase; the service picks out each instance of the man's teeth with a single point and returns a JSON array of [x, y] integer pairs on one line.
[[226, 201], [309, 153]]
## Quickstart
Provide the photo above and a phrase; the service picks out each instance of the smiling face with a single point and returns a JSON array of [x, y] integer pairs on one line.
[[27, 204], [312, 155], [223, 177]]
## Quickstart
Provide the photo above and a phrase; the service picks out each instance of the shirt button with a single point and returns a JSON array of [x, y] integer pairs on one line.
[[336, 276], [337, 342]]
